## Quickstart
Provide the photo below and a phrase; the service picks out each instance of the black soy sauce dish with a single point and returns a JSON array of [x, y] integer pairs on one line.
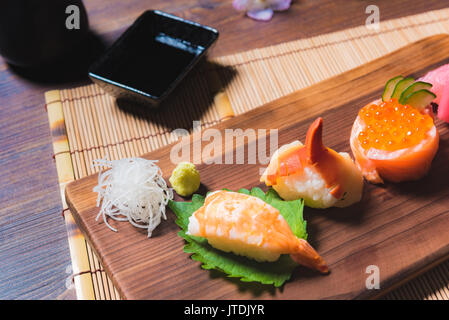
[[152, 57]]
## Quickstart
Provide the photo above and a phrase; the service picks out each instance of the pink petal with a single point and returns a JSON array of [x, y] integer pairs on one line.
[[261, 15], [240, 5], [281, 5]]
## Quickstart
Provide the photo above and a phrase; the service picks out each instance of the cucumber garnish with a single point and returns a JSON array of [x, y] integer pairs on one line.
[[401, 86], [419, 85], [389, 87], [420, 99]]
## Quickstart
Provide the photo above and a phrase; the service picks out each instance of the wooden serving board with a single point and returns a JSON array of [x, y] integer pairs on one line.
[[401, 228]]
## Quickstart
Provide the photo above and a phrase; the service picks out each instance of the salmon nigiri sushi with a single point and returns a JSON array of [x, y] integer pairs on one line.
[[247, 226], [393, 141], [320, 175]]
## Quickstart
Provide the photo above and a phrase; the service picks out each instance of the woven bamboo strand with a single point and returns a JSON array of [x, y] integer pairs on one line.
[[82, 281]]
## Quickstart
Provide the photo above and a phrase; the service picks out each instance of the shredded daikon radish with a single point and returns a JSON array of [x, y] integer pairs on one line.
[[132, 190]]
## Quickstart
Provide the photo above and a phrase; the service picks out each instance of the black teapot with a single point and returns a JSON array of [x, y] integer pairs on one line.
[[36, 33]]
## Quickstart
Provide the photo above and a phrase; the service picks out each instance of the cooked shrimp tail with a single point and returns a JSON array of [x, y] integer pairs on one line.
[[308, 257]]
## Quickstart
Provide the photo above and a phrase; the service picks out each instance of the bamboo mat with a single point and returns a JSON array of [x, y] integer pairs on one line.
[[86, 123]]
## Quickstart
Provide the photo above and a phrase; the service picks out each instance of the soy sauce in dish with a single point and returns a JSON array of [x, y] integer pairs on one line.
[[152, 56], [152, 65]]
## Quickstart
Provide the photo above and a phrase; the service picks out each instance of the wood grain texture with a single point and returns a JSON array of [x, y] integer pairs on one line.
[[400, 228], [33, 246], [304, 19]]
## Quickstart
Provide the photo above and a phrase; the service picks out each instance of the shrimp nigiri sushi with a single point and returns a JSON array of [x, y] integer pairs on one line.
[[393, 141], [319, 175], [247, 226]]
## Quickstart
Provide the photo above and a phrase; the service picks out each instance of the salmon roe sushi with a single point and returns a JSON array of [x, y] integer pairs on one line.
[[393, 142], [391, 126]]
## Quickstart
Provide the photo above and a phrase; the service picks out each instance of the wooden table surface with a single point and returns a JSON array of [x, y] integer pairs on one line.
[[34, 253]]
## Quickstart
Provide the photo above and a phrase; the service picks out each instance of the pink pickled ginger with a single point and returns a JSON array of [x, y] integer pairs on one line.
[[443, 107], [439, 78]]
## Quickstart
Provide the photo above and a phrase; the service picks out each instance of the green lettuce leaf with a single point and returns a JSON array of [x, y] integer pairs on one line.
[[274, 273]]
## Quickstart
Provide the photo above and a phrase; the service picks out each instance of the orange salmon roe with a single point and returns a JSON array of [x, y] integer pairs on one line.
[[392, 126]]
